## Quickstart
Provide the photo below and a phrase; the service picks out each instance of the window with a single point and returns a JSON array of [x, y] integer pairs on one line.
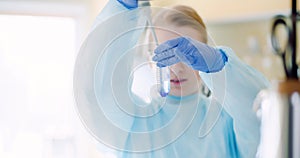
[[37, 112]]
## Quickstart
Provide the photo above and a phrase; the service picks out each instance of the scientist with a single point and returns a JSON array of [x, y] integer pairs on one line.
[[192, 62]]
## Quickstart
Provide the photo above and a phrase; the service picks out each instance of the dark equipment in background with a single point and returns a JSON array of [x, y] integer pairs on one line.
[[287, 48], [278, 107]]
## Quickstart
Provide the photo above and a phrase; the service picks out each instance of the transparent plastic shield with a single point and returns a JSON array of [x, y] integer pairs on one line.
[[116, 88]]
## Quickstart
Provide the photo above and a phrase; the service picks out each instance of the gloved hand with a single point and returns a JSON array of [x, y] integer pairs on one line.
[[197, 55], [129, 4]]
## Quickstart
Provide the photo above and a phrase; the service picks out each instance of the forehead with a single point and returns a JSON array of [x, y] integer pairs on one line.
[[164, 34]]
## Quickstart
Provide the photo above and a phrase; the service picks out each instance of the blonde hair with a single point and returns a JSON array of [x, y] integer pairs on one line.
[[166, 18], [180, 16]]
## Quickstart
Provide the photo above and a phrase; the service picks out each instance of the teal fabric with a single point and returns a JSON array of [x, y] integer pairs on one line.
[[236, 130], [219, 142], [236, 87]]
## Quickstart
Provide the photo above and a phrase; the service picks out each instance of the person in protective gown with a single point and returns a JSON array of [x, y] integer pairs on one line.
[[216, 126]]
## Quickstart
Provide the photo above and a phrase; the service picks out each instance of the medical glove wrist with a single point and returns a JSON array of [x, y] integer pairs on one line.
[[195, 54], [129, 4]]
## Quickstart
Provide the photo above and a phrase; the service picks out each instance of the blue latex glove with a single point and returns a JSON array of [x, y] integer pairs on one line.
[[197, 55], [129, 4]]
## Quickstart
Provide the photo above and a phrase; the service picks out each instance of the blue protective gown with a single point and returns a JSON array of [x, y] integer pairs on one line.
[[235, 131], [223, 125]]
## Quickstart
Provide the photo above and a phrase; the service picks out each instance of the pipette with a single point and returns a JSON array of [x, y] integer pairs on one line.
[[163, 74]]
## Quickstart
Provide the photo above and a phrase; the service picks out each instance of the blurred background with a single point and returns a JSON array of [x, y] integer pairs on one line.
[[39, 40]]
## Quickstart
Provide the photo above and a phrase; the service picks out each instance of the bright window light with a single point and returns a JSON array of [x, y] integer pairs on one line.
[[37, 116]]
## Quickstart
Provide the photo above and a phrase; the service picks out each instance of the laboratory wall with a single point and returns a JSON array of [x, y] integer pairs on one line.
[[224, 10], [251, 41]]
